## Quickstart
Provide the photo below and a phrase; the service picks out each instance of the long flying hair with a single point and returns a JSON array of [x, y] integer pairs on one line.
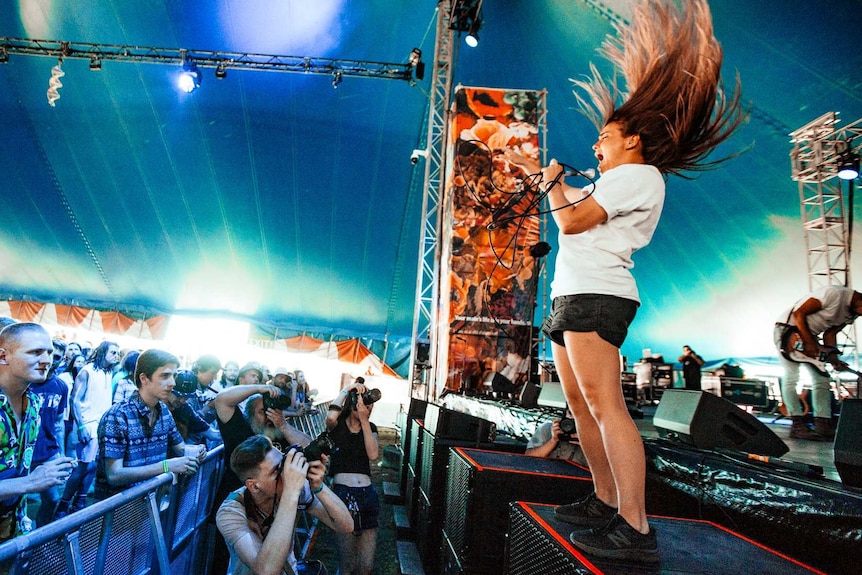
[[673, 98]]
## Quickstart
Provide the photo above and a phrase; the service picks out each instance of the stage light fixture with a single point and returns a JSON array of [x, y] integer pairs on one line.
[[220, 72], [336, 78], [4, 56], [472, 37], [415, 62], [848, 166], [190, 77], [95, 63]]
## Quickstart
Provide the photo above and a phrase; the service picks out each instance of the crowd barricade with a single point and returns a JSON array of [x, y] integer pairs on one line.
[[158, 526], [312, 424]]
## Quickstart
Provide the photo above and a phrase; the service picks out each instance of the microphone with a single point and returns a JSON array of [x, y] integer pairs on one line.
[[589, 173], [540, 249]]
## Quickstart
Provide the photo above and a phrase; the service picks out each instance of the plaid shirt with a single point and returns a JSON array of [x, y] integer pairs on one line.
[[125, 433], [16, 454]]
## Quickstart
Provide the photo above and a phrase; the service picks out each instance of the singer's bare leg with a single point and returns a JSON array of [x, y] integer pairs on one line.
[[589, 370]]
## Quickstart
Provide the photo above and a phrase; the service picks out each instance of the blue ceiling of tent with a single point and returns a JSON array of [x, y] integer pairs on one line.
[[276, 197]]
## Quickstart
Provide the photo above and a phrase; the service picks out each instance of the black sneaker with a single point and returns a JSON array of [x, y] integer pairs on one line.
[[588, 512], [618, 540]]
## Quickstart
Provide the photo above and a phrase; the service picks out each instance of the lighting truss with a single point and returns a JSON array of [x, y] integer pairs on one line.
[[206, 59]]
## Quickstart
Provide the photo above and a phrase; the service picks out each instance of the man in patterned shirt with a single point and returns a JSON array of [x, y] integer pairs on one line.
[[136, 436], [25, 358]]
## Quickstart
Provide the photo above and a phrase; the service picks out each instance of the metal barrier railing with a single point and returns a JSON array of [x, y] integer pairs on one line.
[[153, 527], [156, 527]]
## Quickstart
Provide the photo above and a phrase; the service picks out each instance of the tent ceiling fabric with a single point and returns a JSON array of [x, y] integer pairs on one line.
[[275, 197]]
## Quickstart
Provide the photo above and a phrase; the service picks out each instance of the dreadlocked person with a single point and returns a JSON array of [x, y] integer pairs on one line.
[[671, 117]]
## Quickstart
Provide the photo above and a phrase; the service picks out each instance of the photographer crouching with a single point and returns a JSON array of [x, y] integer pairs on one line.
[[350, 467], [258, 520], [557, 439]]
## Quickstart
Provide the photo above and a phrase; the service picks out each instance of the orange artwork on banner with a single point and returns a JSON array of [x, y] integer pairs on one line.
[[490, 223]]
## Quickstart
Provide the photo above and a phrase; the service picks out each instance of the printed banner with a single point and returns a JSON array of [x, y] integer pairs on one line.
[[490, 223]]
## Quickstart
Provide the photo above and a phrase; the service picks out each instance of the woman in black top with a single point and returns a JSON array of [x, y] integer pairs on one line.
[[350, 467]]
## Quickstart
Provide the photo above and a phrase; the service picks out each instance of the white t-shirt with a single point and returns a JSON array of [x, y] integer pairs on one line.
[[834, 311], [599, 259]]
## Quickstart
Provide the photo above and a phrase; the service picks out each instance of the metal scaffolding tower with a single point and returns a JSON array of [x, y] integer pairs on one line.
[[818, 148], [427, 284]]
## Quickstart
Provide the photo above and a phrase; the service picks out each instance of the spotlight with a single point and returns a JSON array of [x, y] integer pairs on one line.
[[220, 72], [472, 37], [848, 166], [95, 63], [190, 77], [415, 56], [4, 56], [336, 78]]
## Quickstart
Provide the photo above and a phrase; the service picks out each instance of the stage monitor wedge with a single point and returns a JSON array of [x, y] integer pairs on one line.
[[707, 421], [552, 395]]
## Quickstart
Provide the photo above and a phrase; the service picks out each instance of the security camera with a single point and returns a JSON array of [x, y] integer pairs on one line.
[[414, 157]]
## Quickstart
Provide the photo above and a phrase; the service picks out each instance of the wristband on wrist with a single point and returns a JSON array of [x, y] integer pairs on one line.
[[344, 391], [82, 427], [165, 465], [334, 407], [318, 490]]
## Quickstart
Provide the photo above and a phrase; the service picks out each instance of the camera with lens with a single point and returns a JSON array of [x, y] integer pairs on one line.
[[369, 396], [280, 402], [321, 445], [568, 428]]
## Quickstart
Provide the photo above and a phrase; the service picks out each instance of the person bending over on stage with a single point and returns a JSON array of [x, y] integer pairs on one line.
[[691, 364], [25, 358], [826, 311], [138, 438], [674, 114], [258, 520], [549, 440], [356, 439]]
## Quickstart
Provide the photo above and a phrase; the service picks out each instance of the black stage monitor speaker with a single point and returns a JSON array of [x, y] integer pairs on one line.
[[848, 443], [449, 424], [708, 421]]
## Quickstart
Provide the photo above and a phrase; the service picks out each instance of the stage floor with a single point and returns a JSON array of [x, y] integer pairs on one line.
[[809, 452]]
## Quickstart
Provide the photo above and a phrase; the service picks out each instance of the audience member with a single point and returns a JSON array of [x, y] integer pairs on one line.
[[70, 438], [350, 467], [192, 428], [25, 358], [250, 374], [229, 374], [123, 382], [91, 398], [137, 435], [259, 519], [50, 445], [236, 427], [6, 320]]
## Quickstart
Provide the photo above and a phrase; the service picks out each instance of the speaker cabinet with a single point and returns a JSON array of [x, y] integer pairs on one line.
[[409, 433], [413, 453], [445, 423], [848, 443], [481, 484], [707, 421]]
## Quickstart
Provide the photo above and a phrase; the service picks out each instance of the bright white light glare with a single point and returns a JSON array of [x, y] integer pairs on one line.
[[848, 173], [200, 335], [188, 81], [471, 40]]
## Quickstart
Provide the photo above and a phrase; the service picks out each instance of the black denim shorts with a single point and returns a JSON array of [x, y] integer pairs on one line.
[[607, 315], [362, 502]]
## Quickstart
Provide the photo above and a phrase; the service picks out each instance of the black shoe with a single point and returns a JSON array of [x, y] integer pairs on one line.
[[618, 540], [588, 512]]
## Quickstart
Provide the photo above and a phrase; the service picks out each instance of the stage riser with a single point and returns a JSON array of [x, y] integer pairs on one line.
[[481, 485], [538, 544], [848, 443]]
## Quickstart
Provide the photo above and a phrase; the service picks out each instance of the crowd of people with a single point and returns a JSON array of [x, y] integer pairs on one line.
[[80, 424]]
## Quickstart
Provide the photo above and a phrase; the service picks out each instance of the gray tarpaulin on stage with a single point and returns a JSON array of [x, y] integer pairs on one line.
[[814, 520]]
